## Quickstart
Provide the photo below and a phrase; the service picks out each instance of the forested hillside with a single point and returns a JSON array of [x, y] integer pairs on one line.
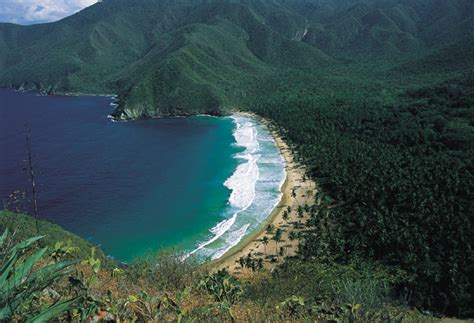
[[192, 56], [397, 182]]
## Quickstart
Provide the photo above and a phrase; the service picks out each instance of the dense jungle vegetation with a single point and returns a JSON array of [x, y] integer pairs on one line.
[[397, 182], [375, 97]]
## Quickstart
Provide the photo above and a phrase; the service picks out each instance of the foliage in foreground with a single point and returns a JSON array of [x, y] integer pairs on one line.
[[54, 236], [22, 281], [164, 288]]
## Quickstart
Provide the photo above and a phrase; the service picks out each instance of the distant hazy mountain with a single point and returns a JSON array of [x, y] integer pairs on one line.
[[193, 56]]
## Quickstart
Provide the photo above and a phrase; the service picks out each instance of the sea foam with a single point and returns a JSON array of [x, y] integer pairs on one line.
[[241, 184], [254, 188]]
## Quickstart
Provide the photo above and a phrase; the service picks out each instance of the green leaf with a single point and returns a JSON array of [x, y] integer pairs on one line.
[[52, 269], [183, 294], [13, 256], [24, 269], [132, 298], [3, 237], [54, 311], [87, 312], [301, 301], [25, 244]]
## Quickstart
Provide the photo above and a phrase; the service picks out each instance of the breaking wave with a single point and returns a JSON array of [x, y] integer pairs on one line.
[[246, 209]]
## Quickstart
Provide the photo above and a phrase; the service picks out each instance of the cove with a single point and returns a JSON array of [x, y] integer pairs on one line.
[[196, 184]]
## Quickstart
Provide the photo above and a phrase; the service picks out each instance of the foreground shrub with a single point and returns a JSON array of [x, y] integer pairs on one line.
[[21, 283], [165, 269], [356, 283]]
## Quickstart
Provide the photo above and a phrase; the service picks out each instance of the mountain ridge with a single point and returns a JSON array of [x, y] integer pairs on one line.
[[191, 56]]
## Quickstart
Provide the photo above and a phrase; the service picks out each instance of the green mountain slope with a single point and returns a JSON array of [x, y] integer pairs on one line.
[[456, 56], [388, 29], [196, 56]]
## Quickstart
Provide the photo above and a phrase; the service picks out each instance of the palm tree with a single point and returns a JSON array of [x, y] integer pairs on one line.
[[300, 211], [307, 208], [277, 238], [282, 251], [248, 259], [242, 262], [270, 228], [292, 235], [265, 241], [285, 216]]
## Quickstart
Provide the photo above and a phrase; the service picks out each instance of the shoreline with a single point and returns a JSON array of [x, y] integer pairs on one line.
[[295, 190], [293, 182], [45, 93]]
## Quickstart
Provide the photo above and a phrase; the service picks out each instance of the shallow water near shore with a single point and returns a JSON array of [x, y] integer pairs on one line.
[[198, 184]]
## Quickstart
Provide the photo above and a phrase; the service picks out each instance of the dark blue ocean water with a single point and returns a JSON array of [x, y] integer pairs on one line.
[[130, 187]]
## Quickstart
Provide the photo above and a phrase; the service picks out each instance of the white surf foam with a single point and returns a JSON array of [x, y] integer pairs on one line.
[[221, 228], [241, 184], [232, 240]]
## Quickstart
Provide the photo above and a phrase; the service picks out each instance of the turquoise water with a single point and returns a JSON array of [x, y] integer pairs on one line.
[[255, 187], [198, 184]]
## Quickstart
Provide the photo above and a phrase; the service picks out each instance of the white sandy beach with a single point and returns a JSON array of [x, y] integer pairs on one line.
[[296, 190]]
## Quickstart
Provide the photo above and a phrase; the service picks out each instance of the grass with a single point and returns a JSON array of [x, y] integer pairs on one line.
[[23, 227]]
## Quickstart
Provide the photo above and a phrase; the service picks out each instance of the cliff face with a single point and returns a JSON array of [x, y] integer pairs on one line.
[[194, 56]]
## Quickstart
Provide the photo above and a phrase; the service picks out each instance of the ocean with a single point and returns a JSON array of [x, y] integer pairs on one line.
[[198, 184]]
